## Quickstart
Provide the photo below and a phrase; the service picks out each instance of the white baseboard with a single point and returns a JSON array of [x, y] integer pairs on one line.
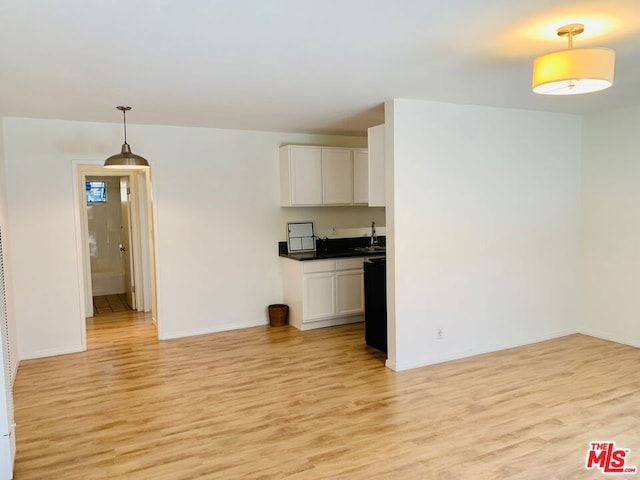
[[611, 338], [51, 353], [213, 329], [14, 370], [331, 322], [472, 353]]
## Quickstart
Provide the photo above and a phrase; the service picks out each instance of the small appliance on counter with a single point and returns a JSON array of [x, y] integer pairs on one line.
[[301, 237], [375, 303]]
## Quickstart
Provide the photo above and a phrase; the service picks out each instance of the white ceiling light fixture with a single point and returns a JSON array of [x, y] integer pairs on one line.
[[574, 70], [125, 159]]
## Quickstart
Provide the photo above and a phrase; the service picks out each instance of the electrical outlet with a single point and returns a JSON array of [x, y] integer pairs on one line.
[[439, 334]]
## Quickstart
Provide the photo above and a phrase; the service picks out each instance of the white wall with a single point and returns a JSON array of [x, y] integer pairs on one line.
[[611, 226], [486, 207], [42, 233], [218, 223]]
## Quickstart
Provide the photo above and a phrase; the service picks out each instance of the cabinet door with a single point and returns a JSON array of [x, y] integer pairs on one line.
[[350, 292], [360, 177], [319, 296], [377, 166], [337, 176], [305, 175]]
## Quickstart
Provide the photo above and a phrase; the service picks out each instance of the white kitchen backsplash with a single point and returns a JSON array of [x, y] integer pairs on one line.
[[339, 232]]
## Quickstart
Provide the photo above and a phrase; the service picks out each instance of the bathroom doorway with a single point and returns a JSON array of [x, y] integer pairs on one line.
[[115, 224], [109, 235]]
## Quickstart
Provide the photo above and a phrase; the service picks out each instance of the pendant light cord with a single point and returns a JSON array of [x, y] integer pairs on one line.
[[124, 111], [124, 116]]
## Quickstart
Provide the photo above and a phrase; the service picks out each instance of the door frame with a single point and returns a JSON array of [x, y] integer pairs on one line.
[[130, 242], [142, 241]]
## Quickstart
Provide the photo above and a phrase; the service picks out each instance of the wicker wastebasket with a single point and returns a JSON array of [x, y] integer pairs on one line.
[[278, 315]]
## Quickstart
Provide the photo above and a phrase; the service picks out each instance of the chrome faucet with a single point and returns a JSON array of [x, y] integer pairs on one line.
[[374, 237]]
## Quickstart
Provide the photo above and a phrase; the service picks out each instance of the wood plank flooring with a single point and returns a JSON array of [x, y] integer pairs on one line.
[[275, 403]]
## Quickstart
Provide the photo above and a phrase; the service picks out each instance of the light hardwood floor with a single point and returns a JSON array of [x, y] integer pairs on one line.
[[276, 403]]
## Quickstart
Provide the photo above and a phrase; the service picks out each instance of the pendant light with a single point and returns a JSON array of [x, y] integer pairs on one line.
[[125, 159], [574, 70]]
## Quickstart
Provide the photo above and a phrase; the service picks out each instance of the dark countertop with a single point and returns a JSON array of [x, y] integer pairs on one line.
[[330, 255], [335, 248]]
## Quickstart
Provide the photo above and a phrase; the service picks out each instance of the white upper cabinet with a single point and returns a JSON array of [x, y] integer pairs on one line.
[[376, 166], [337, 176], [311, 176], [360, 177], [300, 175]]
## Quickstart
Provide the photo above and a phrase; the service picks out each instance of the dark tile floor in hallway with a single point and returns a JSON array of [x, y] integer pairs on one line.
[[105, 304]]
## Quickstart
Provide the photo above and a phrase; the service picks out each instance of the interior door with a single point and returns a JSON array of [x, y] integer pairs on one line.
[[125, 241]]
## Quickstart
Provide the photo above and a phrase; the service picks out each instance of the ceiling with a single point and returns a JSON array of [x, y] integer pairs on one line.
[[317, 66]]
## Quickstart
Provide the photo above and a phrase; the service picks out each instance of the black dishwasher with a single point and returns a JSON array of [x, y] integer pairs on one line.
[[375, 303]]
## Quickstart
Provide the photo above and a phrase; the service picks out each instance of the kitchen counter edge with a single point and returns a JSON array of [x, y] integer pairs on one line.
[[329, 255], [329, 249]]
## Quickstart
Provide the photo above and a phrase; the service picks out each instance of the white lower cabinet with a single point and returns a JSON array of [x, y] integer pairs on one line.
[[319, 296], [349, 287], [322, 293]]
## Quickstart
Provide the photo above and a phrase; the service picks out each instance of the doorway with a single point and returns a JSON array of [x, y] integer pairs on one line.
[[109, 223], [116, 239]]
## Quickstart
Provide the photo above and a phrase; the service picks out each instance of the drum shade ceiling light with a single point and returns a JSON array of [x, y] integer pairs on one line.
[[574, 70], [125, 159]]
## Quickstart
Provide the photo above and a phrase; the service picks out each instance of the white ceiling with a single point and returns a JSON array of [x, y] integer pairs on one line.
[[295, 65]]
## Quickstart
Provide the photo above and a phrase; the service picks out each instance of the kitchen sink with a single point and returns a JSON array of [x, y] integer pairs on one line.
[[373, 249]]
